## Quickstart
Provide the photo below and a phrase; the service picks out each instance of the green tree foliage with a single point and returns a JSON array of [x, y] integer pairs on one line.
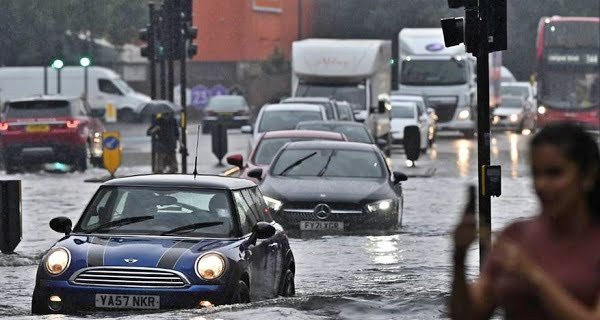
[[383, 19], [33, 31]]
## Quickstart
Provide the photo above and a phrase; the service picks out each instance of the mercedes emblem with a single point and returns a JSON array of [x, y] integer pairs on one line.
[[322, 211]]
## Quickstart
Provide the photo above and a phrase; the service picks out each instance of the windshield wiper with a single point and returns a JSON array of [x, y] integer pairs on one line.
[[193, 226], [322, 172], [120, 222], [296, 163]]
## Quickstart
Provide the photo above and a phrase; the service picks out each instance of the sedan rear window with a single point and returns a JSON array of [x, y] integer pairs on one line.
[[286, 119], [227, 103], [38, 109], [328, 163]]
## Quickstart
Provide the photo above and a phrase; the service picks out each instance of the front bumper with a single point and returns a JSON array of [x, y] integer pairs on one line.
[[76, 298], [456, 125], [229, 121], [37, 153], [353, 220]]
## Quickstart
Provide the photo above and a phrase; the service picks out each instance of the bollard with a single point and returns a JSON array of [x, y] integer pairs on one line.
[[11, 229], [219, 140], [412, 142]]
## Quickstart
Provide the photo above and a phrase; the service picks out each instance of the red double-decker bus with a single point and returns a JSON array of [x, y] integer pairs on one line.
[[568, 72]]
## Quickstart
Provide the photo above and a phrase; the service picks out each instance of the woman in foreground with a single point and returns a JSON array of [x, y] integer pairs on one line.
[[546, 267]]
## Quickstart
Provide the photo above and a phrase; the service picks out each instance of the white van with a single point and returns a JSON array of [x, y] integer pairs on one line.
[[104, 86]]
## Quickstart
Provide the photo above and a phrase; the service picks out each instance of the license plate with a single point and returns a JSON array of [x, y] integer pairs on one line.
[[37, 128], [127, 301], [321, 225]]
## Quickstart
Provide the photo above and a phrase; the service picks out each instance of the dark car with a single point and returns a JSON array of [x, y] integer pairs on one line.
[[328, 186], [270, 142], [230, 109], [43, 129], [166, 241], [330, 104]]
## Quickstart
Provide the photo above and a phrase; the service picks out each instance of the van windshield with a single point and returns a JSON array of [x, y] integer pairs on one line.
[[433, 72], [356, 95]]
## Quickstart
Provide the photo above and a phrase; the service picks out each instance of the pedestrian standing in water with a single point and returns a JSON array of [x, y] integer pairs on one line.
[[548, 266], [165, 133]]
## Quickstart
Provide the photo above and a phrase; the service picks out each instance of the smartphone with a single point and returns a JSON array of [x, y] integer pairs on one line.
[[470, 208]]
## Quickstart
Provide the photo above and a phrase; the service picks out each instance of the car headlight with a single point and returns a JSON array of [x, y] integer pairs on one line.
[[464, 115], [57, 261], [382, 205], [273, 203], [541, 110], [210, 266], [514, 117]]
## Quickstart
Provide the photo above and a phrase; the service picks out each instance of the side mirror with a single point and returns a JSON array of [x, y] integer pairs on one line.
[[98, 113], [256, 173], [261, 230], [381, 143], [61, 225], [247, 129], [236, 160], [399, 177]]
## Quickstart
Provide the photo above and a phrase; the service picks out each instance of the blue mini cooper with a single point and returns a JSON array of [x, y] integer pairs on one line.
[[166, 241]]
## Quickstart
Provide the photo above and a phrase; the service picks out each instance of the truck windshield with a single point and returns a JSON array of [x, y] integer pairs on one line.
[[354, 94], [433, 72]]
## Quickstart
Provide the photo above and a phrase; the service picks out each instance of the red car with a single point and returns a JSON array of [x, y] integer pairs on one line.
[[43, 129], [269, 143]]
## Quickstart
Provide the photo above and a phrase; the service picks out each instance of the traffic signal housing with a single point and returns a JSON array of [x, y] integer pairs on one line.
[[147, 35], [190, 33]]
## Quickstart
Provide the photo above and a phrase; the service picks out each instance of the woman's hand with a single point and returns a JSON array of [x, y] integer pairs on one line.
[[514, 260]]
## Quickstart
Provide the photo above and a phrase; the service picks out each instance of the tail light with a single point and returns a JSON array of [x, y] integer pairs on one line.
[[72, 124], [3, 126]]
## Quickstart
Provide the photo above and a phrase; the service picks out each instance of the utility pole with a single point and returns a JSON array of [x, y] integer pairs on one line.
[[483, 30]]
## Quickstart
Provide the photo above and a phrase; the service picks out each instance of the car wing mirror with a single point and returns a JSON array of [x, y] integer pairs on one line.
[[261, 230], [236, 160], [399, 177], [381, 143], [246, 129], [256, 173], [61, 225]]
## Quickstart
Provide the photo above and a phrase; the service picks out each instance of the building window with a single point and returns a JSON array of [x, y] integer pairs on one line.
[[268, 5]]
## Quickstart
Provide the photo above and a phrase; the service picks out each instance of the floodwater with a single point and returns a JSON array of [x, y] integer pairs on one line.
[[398, 276]]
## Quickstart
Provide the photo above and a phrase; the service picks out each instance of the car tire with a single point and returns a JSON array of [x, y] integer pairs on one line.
[[288, 289], [37, 307], [127, 115], [81, 158], [241, 293]]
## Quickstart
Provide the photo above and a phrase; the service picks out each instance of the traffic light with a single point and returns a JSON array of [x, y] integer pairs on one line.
[[57, 64], [147, 35], [85, 62], [497, 25], [190, 33]]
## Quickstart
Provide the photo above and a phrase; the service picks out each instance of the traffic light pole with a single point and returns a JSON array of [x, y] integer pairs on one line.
[[182, 87], [483, 130]]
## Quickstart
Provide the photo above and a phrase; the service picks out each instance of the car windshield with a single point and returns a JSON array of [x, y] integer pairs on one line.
[[337, 163], [433, 72], [286, 119], [403, 111], [227, 103], [38, 109], [154, 211], [514, 91], [510, 102], [353, 133]]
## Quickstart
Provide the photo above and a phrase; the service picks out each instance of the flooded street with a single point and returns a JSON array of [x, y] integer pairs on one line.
[[399, 276]]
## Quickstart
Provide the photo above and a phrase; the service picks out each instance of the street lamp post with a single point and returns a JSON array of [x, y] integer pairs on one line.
[[58, 65], [85, 63]]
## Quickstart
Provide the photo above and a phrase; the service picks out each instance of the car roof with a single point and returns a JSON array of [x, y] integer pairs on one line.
[[42, 97], [303, 134], [304, 99], [324, 144], [397, 103], [332, 123], [411, 97], [182, 180], [292, 107]]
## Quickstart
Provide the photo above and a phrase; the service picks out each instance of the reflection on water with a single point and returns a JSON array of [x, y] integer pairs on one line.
[[463, 152], [384, 250], [494, 148], [514, 155]]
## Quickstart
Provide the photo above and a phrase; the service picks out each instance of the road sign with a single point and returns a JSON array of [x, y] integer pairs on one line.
[[218, 90], [200, 96], [110, 115], [111, 147]]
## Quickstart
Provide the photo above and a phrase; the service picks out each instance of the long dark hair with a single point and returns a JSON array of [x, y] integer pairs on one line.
[[580, 147]]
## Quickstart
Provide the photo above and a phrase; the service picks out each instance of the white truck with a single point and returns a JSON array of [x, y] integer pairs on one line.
[[356, 71], [104, 86], [445, 77]]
